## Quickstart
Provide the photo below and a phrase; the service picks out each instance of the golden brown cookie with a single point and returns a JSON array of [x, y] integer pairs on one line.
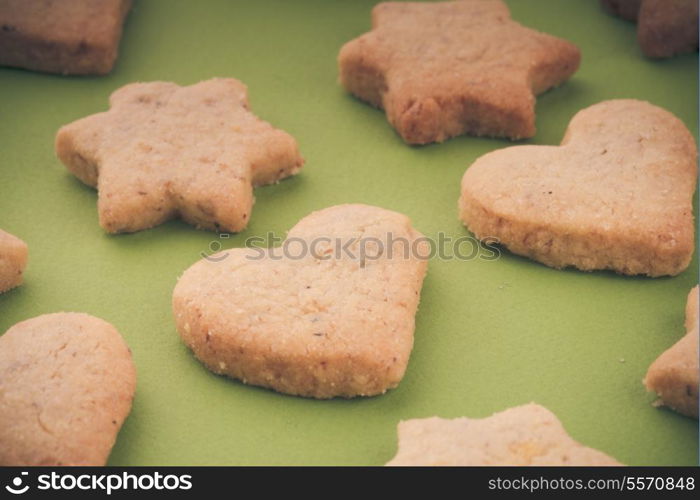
[[452, 68], [13, 260], [329, 313], [70, 37], [165, 151], [664, 27], [675, 376], [66, 386], [617, 194], [526, 435]]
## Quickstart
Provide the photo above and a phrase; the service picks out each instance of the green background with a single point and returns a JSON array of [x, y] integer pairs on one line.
[[489, 335]]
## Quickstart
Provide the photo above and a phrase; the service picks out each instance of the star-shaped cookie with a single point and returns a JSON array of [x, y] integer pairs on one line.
[[674, 375], [528, 435], [452, 68], [164, 151]]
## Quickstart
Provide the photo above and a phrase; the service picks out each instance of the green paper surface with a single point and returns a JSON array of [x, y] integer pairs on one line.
[[490, 334]]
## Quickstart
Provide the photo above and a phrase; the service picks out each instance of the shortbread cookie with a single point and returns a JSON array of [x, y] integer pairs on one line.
[[675, 375], [66, 385], [164, 151], [13, 260], [317, 319], [521, 436], [664, 27], [71, 37], [451, 68], [617, 194]]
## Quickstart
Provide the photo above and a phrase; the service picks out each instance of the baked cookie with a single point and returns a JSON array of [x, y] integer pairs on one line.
[[330, 313], [66, 386], [617, 194], [452, 68], [675, 376], [164, 151], [522, 436], [13, 260], [664, 27], [70, 37]]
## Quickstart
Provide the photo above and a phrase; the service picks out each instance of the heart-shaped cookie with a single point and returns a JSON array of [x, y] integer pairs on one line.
[[329, 313], [66, 385], [617, 194]]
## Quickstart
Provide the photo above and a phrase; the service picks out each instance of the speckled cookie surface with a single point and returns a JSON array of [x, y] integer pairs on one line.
[[73, 37], [164, 151], [445, 69], [675, 375], [528, 435], [617, 194], [664, 27], [13, 260], [66, 386], [327, 324]]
